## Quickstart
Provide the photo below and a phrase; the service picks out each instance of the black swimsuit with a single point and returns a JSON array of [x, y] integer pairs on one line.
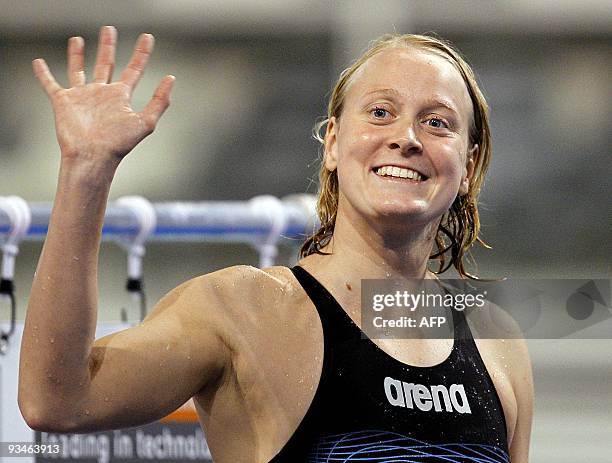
[[370, 407]]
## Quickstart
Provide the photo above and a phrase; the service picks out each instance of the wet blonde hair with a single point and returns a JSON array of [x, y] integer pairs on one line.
[[460, 225]]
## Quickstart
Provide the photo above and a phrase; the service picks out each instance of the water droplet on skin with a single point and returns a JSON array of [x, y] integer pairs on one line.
[[87, 412], [75, 257], [189, 357], [52, 340], [106, 399], [167, 346]]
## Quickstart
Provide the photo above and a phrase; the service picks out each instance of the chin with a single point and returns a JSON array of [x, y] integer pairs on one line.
[[406, 215]]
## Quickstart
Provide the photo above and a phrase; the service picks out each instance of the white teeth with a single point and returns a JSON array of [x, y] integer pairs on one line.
[[394, 171]]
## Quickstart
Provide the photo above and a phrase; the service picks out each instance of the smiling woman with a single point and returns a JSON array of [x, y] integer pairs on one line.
[[276, 359], [459, 227], [406, 148]]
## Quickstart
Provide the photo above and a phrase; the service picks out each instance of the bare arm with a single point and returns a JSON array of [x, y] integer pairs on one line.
[[505, 352], [66, 382], [522, 380]]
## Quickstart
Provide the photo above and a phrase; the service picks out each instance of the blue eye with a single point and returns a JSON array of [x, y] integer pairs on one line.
[[437, 123], [379, 113]]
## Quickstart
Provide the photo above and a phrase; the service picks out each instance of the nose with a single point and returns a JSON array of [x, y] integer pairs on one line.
[[406, 141]]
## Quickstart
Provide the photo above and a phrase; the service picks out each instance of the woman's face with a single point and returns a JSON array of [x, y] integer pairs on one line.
[[400, 146]]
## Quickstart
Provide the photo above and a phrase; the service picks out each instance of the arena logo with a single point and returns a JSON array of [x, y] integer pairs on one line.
[[409, 395]]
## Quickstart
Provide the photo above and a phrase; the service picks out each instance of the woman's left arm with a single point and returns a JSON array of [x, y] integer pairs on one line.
[[522, 384]]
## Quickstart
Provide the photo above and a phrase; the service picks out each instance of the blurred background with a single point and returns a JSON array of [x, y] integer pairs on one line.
[[252, 77]]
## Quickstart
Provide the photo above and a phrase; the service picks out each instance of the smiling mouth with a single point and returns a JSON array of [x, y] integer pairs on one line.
[[399, 172]]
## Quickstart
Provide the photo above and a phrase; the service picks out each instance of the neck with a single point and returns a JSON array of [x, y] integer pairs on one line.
[[362, 250]]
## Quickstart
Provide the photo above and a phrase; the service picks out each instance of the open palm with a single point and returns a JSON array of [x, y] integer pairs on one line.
[[95, 120]]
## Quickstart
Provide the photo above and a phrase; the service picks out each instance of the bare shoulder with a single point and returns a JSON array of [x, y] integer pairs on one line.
[[239, 292], [504, 351], [247, 276], [227, 311], [226, 285], [502, 334]]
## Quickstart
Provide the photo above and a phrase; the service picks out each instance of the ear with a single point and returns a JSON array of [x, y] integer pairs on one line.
[[464, 186], [331, 148]]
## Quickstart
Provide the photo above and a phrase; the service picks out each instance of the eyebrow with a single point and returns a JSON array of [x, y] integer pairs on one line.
[[441, 103], [385, 91], [437, 102]]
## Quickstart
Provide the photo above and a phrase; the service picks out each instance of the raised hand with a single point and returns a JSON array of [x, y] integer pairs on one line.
[[95, 121]]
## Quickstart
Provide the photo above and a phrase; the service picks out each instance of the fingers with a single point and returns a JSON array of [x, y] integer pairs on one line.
[[76, 61], [159, 103], [44, 76], [105, 60], [135, 68]]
